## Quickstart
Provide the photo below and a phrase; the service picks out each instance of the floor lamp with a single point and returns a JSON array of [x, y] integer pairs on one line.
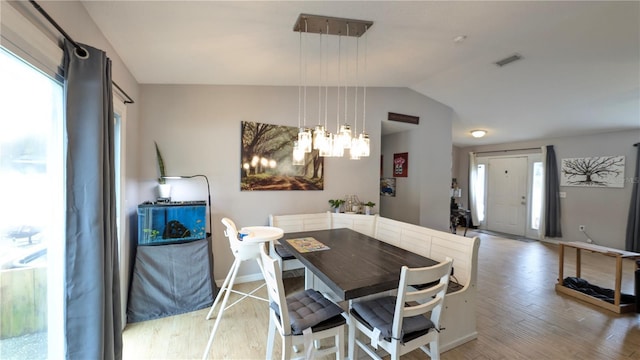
[[208, 194]]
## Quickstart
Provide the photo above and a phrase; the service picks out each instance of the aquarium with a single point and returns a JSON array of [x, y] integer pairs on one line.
[[171, 222]]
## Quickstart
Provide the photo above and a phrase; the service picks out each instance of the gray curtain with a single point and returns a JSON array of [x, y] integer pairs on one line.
[[633, 222], [552, 195], [92, 293]]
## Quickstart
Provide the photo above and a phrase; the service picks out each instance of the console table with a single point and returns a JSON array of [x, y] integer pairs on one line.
[[616, 253]]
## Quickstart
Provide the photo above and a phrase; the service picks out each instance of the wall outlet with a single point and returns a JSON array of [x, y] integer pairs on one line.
[[581, 228]]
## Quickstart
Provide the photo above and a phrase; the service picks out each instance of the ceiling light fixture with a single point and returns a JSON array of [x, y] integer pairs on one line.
[[328, 144], [459, 39], [478, 133]]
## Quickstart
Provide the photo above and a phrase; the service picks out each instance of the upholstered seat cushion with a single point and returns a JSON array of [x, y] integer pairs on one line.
[[378, 313], [309, 308], [283, 252]]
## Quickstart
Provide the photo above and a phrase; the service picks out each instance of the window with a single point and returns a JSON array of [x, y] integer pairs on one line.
[[32, 211], [536, 195], [479, 190]]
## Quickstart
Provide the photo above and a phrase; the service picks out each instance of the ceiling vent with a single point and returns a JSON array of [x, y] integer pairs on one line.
[[508, 60]]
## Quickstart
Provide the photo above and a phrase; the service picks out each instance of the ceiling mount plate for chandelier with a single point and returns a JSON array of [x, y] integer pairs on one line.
[[337, 26]]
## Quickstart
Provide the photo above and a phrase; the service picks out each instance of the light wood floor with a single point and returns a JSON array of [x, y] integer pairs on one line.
[[519, 315]]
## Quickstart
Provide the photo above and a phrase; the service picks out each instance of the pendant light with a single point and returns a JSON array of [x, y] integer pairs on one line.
[[337, 150], [363, 139], [320, 131], [298, 151], [326, 143], [304, 135], [345, 129], [355, 151]]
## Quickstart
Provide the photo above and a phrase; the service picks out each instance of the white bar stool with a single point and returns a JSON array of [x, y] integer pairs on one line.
[[246, 249]]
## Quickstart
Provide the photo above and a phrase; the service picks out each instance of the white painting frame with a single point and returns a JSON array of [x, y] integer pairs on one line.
[[599, 171]]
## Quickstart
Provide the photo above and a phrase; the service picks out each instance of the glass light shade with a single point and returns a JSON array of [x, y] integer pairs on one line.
[[355, 148], [365, 144], [326, 148], [304, 140], [298, 154], [345, 135], [318, 137], [337, 149], [354, 155]]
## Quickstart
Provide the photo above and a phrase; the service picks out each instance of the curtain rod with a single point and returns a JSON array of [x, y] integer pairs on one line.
[[494, 151], [80, 50]]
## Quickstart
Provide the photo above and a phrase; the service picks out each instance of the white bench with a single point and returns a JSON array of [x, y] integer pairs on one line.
[[458, 317]]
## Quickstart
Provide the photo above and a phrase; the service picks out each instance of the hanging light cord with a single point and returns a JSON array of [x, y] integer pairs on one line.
[[364, 87], [320, 83], [355, 110], [326, 81], [304, 114], [300, 80], [346, 81], [339, 78]]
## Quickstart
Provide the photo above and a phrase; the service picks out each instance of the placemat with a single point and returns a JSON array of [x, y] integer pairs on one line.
[[307, 244]]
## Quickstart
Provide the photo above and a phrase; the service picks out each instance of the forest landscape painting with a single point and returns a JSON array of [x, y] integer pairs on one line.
[[266, 158]]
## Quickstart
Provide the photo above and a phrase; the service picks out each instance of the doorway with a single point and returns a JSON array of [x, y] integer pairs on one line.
[[506, 195], [509, 194]]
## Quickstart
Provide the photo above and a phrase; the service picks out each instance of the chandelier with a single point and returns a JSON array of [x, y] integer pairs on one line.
[[330, 144]]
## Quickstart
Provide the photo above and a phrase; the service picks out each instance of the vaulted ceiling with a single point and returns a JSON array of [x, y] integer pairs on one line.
[[579, 73]]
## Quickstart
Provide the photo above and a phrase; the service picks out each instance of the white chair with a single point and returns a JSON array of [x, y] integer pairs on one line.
[[399, 324], [303, 318], [242, 252]]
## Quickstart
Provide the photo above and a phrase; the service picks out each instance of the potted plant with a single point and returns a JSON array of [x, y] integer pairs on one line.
[[368, 206], [164, 189], [335, 204]]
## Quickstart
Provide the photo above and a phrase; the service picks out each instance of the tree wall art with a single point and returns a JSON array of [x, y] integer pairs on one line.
[[601, 171], [266, 160]]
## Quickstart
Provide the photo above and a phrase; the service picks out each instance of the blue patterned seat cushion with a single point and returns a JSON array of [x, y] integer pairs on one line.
[[378, 313], [309, 308]]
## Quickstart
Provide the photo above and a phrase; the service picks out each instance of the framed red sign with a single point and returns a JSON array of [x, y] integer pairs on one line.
[[400, 164]]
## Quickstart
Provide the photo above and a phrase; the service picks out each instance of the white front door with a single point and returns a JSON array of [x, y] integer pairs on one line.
[[507, 195]]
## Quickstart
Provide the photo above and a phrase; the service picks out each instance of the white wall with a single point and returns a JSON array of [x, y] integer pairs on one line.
[[198, 131], [603, 211]]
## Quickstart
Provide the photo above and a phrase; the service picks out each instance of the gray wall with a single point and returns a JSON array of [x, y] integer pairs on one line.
[[198, 131], [419, 196], [602, 210]]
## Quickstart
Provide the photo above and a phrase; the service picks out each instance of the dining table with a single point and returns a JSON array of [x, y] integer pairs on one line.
[[349, 263]]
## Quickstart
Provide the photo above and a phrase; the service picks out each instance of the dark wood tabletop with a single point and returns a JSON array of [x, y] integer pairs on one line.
[[356, 265]]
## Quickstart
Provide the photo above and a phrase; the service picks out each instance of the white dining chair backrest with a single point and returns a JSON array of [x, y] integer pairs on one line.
[[429, 299], [275, 288], [419, 303]]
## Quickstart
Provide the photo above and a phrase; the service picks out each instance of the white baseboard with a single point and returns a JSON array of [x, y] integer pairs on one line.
[[243, 279], [458, 342]]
